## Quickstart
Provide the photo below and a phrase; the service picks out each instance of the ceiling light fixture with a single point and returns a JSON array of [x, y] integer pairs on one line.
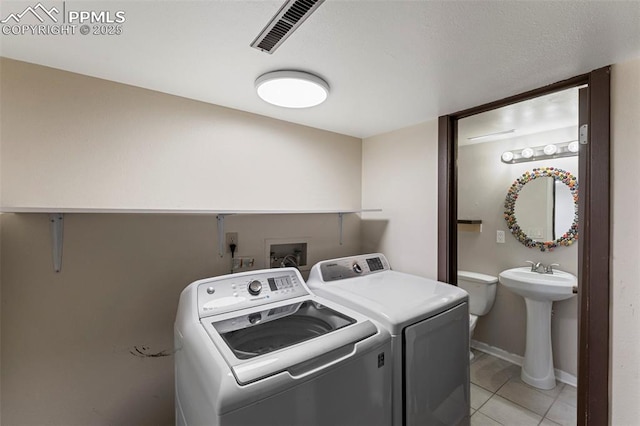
[[292, 89]]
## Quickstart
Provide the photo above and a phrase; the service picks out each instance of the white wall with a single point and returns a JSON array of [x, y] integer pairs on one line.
[[76, 141], [483, 182], [399, 175], [625, 302]]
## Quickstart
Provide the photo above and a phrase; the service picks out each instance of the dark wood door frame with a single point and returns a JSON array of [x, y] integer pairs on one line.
[[594, 231]]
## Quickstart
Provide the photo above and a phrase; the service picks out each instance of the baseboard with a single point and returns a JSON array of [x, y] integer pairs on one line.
[[564, 377], [561, 376]]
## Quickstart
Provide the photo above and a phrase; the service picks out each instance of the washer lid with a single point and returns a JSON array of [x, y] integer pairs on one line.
[[288, 339], [395, 299], [262, 332]]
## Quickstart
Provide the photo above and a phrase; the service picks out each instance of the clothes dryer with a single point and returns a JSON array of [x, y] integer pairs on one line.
[[429, 324]]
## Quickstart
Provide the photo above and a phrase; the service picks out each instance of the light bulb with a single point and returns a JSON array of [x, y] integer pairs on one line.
[[507, 156], [573, 146], [550, 149], [527, 153]]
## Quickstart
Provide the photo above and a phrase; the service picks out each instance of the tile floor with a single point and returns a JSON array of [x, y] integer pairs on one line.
[[499, 397]]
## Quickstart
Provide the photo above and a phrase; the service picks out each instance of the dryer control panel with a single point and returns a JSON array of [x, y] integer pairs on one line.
[[229, 293], [350, 267]]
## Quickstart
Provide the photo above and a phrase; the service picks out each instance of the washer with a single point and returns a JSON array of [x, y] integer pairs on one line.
[[258, 348], [429, 325]]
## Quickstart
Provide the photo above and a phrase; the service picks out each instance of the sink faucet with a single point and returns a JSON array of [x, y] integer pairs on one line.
[[535, 267], [549, 269], [540, 268]]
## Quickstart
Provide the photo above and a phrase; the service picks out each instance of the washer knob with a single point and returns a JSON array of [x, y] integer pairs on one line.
[[254, 287], [357, 268], [255, 318]]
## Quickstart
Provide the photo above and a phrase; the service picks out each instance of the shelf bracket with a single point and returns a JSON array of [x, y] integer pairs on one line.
[[340, 219], [56, 221], [221, 248]]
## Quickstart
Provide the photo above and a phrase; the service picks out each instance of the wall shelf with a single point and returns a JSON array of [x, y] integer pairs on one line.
[[56, 218], [13, 209], [468, 225]]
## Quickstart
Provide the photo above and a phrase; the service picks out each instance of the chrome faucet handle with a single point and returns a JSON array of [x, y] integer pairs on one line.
[[534, 265], [549, 269]]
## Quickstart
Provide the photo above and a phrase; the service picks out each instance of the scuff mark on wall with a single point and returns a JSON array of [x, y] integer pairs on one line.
[[144, 352]]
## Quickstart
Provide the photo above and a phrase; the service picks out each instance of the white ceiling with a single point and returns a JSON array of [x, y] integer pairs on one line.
[[390, 64], [557, 110]]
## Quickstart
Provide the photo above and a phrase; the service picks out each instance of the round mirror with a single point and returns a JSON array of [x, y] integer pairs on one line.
[[541, 208]]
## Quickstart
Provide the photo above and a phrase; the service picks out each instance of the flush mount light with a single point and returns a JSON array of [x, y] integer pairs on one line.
[[292, 89]]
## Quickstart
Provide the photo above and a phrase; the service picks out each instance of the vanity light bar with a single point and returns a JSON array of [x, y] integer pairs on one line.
[[543, 152]]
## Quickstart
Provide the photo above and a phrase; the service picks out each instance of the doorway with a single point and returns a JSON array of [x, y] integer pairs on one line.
[[593, 229]]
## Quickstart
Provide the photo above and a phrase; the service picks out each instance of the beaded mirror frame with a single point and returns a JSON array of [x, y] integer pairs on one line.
[[569, 237]]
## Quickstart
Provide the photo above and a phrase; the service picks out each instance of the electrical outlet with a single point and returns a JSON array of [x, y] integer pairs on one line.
[[500, 237], [231, 238]]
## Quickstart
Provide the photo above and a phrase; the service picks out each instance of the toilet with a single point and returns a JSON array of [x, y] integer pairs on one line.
[[482, 293]]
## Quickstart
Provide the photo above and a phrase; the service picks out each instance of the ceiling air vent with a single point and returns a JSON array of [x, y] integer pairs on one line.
[[290, 16]]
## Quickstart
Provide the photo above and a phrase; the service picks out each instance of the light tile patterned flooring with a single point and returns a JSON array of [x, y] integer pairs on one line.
[[499, 397]]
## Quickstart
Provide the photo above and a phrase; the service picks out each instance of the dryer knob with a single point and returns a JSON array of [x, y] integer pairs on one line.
[[357, 268], [254, 287]]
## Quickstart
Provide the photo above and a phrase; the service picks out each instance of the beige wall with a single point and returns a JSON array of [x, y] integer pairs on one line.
[[68, 140], [483, 181], [625, 315], [399, 175], [68, 337], [76, 141]]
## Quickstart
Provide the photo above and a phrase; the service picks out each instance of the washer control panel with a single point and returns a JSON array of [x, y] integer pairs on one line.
[[239, 291], [350, 267]]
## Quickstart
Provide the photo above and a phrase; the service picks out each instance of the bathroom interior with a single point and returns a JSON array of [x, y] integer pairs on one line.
[[492, 156]]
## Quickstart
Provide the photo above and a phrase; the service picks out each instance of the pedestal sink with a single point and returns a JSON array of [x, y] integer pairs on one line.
[[539, 290]]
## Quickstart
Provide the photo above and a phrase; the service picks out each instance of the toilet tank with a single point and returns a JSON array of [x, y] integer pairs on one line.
[[481, 289]]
